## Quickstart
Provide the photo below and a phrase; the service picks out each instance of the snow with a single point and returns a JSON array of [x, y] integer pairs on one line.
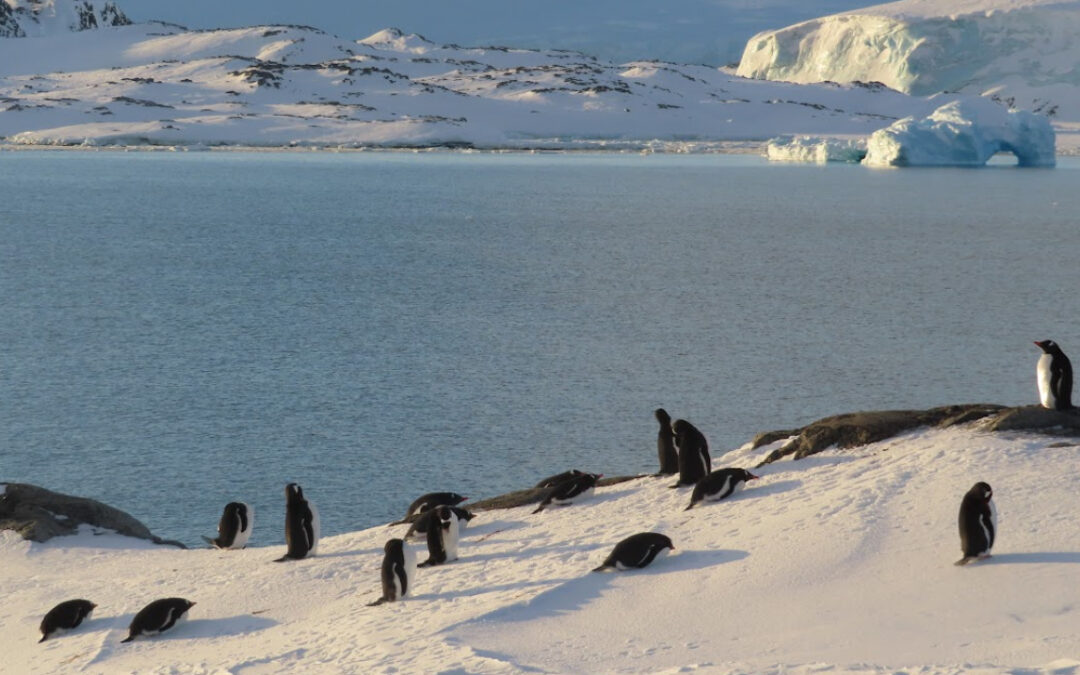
[[841, 562], [1023, 52], [815, 150], [964, 133]]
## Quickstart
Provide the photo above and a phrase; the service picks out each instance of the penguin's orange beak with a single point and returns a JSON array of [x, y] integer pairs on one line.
[[753, 477]]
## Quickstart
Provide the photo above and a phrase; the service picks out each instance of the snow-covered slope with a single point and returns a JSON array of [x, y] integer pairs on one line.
[[21, 18], [287, 85], [1023, 52], [841, 562]]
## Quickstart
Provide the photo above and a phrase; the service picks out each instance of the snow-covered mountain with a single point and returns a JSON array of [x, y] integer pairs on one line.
[[288, 85], [1025, 53], [22, 18]]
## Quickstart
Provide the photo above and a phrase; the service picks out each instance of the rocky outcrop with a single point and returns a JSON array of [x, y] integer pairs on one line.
[[533, 495], [1036, 418], [852, 430], [39, 515], [38, 16]]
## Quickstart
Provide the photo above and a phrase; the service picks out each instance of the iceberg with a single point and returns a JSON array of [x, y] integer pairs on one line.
[[815, 149], [966, 132]]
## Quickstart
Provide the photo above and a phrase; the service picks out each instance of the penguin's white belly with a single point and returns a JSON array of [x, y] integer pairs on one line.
[[242, 536], [410, 570], [450, 540], [314, 528], [1046, 397]]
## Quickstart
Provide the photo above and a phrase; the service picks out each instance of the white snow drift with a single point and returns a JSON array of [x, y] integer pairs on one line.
[[841, 563]]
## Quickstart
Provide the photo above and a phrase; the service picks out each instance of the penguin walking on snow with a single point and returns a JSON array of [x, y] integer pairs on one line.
[[398, 571], [636, 551], [665, 444], [424, 521], [1054, 373], [64, 617], [158, 617], [694, 461], [301, 525], [442, 537], [978, 523], [720, 484], [567, 491], [234, 528], [429, 501]]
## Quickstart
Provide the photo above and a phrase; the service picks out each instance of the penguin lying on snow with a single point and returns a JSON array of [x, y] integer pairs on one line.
[[301, 525], [429, 501], [694, 460], [424, 520], [978, 523], [720, 484], [567, 491], [234, 528], [398, 570], [552, 481], [636, 551], [442, 537], [158, 617], [1054, 373], [64, 617]]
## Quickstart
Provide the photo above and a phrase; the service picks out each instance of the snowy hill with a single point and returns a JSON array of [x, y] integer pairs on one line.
[[287, 85], [840, 562], [1023, 52], [22, 18]]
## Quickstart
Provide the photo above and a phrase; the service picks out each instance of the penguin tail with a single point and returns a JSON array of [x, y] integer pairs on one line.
[[965, 560], [603, 568], [377, 602], [42, 639], [128, 638], [539, 509], [283, 558], [692, 504]]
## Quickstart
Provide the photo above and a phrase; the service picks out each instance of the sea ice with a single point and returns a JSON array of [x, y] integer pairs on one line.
[[815, 149]]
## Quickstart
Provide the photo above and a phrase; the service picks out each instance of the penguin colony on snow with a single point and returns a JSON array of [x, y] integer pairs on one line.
[[682, 450]]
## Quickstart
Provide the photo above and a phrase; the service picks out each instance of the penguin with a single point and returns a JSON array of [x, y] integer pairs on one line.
[[398, 571], [636, 551], [1054, 373], [65, 616], [665, 444], [301, 525], [719, 484], [158, 617], [694, 461], [423, 521], [978, 523], [234, 528], [552, 481], [567, 491], [430, 501], [442, 537]]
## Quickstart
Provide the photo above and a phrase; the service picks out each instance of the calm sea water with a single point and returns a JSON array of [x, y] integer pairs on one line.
[[182, 330]]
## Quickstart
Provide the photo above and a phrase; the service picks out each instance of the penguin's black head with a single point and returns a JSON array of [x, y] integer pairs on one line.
[[749, 476], [667, 541], [983, 490], [1048, 346], [456, 498], [679, 426], [663, 417], [292, 490], [393, 545]]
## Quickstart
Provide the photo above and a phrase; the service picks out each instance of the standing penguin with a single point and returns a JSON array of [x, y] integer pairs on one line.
[[636, 551], [398, 570], [158, 617], [65, 616], [234, 528], [665, 444], [978, 523], [301, 525], [567, 491], [442, 538], [719, 484], [694, 461], [1054, 373]]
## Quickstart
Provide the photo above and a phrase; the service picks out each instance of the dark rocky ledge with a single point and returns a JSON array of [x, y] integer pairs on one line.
[[852, 430], [39, 515]]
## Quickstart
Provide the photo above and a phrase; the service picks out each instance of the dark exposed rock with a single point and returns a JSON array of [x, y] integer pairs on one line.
[[38, 514], [1037, 418], [861, 428]]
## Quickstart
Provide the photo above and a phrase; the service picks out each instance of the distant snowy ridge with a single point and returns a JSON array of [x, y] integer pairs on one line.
[[1025, 53], [22, 18]]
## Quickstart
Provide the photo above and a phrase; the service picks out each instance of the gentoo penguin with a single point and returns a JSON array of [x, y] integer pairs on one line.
[[234, 528], [694, 462], [1055, 377], [569, 490], [665, 444], [636, 551], [428, 502], [398, 571], [719, 484], [65, 616], [301, 525], [442, 537], [978, 523], [552, 481], [158, 617], [423, 521]]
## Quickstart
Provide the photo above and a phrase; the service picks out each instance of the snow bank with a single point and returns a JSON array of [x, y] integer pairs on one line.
[[964, 133], [32, 18], [840, 562], [815, 149]]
